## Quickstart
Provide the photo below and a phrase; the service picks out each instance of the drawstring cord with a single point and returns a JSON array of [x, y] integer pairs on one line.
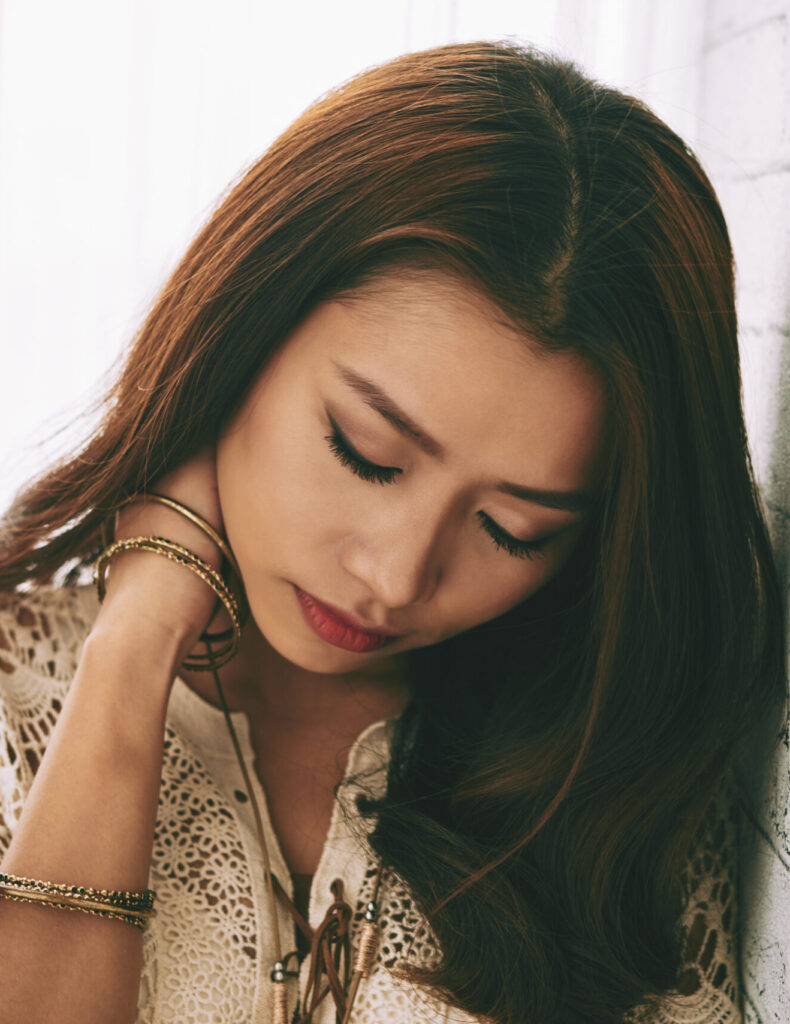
[[330, 942]]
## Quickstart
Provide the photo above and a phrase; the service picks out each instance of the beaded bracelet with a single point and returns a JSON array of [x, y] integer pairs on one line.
[[120, 897], [135, 908]]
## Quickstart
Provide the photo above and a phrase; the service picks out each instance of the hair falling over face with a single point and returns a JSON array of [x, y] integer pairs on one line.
[[551, 770]]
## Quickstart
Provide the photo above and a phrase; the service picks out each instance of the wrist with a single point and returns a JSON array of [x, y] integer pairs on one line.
[[127, 631], [152, 595], [124, 682]]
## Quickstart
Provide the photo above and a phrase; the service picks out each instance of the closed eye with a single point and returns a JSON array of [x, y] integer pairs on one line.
[[350, 457], [371, 472], [513, 546]]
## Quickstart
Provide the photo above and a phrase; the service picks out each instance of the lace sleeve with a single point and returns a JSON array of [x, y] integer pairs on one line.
[[17, 764], [8, 782], [40, 636], [708, 991]]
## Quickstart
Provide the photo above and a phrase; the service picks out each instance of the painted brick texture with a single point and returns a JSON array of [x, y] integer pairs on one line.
[[744, 128]]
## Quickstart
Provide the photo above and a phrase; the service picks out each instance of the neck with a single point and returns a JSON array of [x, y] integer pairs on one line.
[[268, 687]]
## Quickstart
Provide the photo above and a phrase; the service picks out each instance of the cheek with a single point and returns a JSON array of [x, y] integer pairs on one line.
[[280, 491], [479, 597]]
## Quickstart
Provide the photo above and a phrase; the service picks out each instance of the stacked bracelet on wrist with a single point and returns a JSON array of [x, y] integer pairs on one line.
[[236, 582], [183, 556], [134, 908], [235, 603]]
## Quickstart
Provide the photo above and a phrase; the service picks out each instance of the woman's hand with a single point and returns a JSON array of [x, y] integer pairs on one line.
[[149, 591]]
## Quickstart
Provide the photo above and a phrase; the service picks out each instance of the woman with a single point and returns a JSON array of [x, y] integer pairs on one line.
[[454, 372]]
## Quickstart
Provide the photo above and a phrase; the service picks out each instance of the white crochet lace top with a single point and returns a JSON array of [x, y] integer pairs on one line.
[[206, 952]]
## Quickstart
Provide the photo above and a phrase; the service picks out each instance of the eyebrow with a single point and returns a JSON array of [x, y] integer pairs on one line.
[[376, 398]]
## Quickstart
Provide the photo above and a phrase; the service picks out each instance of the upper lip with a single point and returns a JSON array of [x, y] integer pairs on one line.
[[351, 620]]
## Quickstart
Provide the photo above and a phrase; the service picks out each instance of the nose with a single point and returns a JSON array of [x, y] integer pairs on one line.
[[398, 561]]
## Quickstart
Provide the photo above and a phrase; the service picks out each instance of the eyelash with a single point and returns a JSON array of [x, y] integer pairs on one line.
[[372, 473]]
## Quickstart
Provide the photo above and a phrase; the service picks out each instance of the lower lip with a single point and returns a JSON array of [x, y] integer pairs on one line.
[[324, 624]]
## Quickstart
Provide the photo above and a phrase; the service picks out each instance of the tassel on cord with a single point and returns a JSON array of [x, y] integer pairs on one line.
[[368, 942], [279, 994]]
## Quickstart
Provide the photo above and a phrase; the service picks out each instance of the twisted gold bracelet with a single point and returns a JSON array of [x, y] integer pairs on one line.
[[137, 918]]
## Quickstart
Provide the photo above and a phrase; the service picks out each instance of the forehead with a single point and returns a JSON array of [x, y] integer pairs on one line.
[[499, 403]]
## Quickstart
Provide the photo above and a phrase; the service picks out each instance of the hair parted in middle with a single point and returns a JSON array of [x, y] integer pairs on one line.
[[551, 771]]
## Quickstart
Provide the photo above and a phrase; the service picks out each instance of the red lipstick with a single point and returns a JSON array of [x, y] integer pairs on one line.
[[338, 628]]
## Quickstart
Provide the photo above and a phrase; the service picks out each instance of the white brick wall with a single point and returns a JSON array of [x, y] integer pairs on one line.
[[744, 140]]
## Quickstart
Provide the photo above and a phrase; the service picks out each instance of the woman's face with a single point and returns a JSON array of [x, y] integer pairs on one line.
[[410, 460]]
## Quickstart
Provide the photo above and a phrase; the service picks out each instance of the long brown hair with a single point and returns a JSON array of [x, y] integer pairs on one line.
[[550, 773]]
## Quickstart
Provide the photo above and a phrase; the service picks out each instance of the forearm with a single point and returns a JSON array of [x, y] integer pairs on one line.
[[89, 820]]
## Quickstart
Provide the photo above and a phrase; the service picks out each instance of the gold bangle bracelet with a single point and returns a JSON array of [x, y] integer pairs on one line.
[[193, 516]]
